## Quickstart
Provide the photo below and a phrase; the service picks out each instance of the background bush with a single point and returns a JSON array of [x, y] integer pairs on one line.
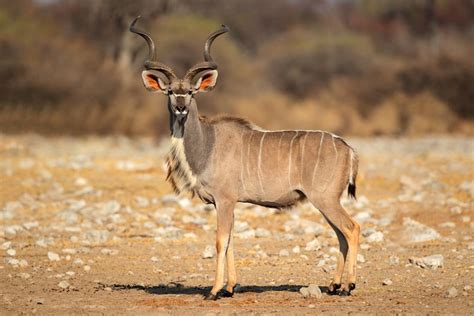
[[353, 67]]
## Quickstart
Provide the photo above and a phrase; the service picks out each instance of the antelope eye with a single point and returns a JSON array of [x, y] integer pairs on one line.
[[170, 92], [190, 92]]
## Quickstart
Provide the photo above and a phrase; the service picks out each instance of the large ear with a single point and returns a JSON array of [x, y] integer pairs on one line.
[[155, 81], [205, 80]]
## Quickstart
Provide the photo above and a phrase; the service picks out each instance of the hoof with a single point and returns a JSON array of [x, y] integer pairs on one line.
[[333, 287], [227, 294], [345, 293], [210, 297], [352, 286]]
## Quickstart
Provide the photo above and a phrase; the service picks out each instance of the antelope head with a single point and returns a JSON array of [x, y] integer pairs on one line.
[[158, 77]]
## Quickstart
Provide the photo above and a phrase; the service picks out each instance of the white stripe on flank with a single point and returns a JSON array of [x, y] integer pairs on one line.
[[259, 170], [351, 180], [278, 158], [334, 145], [331, 178], [242, 164], [317, 162], [302, 159], [289, 161], [248, 154]]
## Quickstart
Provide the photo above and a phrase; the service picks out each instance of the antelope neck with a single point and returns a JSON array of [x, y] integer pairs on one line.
[[197, 137]]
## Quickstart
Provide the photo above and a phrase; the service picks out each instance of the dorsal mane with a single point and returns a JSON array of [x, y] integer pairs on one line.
[[231, 119]]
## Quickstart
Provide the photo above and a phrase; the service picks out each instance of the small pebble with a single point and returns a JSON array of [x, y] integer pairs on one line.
[[296, 249], [209, 252], [53, 256], [451, 292], [64, 284], [284, 253], [387, 282]]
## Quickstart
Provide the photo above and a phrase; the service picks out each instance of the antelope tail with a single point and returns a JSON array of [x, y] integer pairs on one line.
[[354, 164]]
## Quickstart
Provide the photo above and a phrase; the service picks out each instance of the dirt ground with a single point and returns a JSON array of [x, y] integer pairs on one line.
[[89, 225]]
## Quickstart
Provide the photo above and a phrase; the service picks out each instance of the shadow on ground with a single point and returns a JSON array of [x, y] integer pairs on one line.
[[178, 288]]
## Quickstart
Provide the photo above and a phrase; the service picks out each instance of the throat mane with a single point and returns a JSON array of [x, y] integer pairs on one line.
[[180, 174]]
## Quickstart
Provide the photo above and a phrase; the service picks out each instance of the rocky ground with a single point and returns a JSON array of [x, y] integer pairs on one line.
[[90, 226]]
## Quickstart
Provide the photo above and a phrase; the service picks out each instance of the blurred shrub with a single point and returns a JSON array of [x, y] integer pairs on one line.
[[451, 80], [303, 61]]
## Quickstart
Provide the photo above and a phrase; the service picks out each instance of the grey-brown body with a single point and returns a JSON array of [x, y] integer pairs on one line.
[[270, 168], [229, 160]]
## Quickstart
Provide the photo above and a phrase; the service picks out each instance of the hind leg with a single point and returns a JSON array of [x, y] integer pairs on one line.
[[347, 231], [341, 260]]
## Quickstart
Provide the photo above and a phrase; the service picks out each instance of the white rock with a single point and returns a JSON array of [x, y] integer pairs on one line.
[[6, 245], [190, 235], [71, 273], [296, 249], [313, 245], [78, 261], [375, 237], [360, 258], [262, 232], [80, 182], [417, 232], [12, 261], [11, 252], [96, 236], [246, 234], [321, 263], [452, 292], [87, 268], [24, 275], [185, 203], [314, 291], [304, 292], [30, 225], [394, 260], [45, 242], [284, 253], [447, 225], [196, 220], [387, 282], [209, 252], [112, 206], [110, 252], [142, 201], [361, 202], [169, 199], [64, 284], [362, 217], [241, 226], [23, 263], [53, 256], [154, 259], [300, 227], [433, 262]]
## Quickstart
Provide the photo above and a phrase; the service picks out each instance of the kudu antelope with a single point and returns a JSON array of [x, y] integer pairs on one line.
[[228, 160]]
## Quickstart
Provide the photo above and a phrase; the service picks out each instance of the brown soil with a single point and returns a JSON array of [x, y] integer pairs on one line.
[[42, 174]]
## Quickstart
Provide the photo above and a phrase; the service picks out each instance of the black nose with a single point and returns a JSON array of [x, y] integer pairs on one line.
[[180, 108]]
